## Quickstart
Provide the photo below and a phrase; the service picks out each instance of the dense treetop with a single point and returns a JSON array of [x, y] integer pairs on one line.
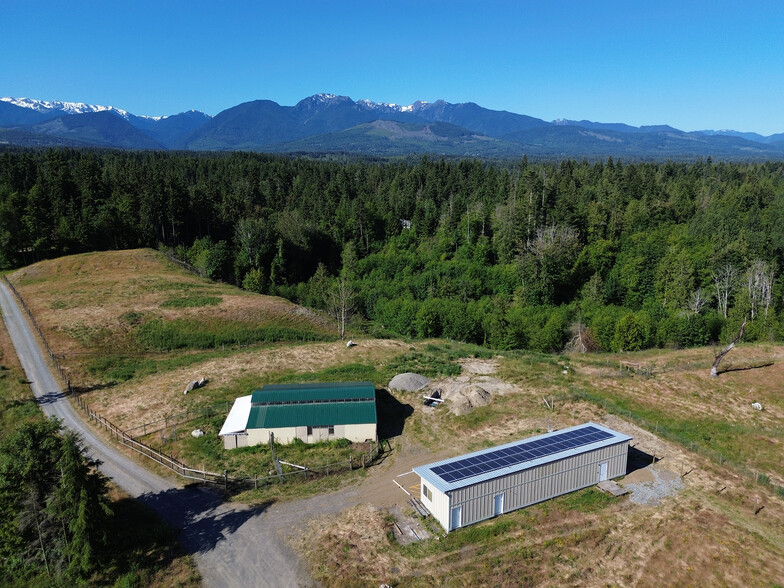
[[606, 255]]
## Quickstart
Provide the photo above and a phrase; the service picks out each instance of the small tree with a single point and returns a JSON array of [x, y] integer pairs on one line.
[[698, 300], [339, 301], [715, 368], [724, 279]]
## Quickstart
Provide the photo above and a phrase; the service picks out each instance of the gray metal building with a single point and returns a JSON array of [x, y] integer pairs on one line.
[[470, 488]]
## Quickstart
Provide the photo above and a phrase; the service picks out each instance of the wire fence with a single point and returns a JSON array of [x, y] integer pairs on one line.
[[167, 461], [679, 437], [186, 416], [35, 326], [173, 464]]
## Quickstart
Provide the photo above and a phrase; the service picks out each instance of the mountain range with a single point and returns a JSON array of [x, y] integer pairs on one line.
[[327, 123]]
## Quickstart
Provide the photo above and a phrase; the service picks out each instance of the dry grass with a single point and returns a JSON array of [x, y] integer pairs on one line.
[[722, 529], [708, 534], [698, 537], [82, 301]]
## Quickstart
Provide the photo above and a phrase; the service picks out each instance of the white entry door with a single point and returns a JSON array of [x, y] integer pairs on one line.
[[498, 504], [457, 517], [602, 471]]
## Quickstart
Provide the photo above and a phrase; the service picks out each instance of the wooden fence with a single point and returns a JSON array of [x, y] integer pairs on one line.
[[170, 462], [186, 416], [167, 461]]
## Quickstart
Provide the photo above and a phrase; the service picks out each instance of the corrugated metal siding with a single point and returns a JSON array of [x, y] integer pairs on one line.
[[448, 487], [358, 433], [355, 433], [536, 484], [261, 436]]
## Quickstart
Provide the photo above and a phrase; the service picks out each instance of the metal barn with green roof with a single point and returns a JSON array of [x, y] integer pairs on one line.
[[309, 412]]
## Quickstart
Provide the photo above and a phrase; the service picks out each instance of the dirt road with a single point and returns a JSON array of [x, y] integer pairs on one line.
[[232, 545]]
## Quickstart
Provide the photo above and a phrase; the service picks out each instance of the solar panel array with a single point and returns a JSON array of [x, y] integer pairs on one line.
[[520, 453]]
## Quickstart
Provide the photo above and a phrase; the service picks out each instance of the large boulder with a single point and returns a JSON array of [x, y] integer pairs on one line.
[[408, 382]]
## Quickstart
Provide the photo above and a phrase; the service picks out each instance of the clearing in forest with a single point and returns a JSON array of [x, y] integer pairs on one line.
[[720, 520]]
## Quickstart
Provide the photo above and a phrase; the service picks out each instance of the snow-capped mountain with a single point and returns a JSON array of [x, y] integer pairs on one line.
[[333, 123], [64, 107], [85, 124], [370, 105]]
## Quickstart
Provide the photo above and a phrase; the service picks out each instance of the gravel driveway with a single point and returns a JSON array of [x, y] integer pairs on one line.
[[232, 545]]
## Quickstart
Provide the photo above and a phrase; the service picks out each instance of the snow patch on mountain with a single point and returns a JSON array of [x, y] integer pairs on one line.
[[82, 108], [65, 107], [370, 105]]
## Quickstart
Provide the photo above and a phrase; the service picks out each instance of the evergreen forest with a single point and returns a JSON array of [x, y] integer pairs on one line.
[[542, 256]]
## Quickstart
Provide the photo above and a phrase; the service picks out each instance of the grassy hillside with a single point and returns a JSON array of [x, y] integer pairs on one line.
[[113, 315], [724, 526]]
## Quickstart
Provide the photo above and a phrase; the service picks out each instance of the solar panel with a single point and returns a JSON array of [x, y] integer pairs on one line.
[[524, 451]]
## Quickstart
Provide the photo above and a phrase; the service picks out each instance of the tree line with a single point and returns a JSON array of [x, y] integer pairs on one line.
[[593, 255], [55, 509]]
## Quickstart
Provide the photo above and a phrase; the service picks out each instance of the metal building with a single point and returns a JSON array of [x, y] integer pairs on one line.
[[470, 488], [309, 412]]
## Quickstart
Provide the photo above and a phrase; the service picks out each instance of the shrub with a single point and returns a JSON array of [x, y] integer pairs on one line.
[[192, 302]]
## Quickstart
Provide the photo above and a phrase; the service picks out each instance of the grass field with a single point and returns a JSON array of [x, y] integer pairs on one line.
[[726, 527]]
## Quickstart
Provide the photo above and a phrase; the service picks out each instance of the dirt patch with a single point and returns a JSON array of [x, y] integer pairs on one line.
[[465, 399], [407, 528], [474, 387], [151, 398], [479, 367]]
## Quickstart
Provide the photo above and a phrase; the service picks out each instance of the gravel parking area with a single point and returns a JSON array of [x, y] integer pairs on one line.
[[652, 484]]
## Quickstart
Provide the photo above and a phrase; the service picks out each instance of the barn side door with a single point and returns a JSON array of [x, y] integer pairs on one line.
[[457, 517], [602, 471], [498, 504]]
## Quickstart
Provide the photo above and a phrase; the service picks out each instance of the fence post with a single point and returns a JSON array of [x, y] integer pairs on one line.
[[350, 462], [225, 480]]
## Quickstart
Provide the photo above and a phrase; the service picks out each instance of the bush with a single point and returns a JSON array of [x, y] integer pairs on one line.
[[191, 302], [159, 335], [681, 330], [633, 332], [552, 337]]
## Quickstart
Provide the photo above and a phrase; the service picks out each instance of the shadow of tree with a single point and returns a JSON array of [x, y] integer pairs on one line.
[[743, 368], [85, 389], [200, 514], [139, 541], [50, 397], [392, 414]]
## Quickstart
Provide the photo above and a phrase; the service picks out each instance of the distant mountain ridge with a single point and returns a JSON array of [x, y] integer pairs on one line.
[[325, 123]]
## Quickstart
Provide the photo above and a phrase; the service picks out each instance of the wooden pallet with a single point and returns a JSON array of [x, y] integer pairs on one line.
[[613, 488]]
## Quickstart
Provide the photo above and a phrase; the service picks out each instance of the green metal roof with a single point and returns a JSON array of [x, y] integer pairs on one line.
[[313, 392], [315, 405], [314, 415]]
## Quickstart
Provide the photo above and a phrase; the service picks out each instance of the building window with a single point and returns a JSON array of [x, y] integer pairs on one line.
[[427, 492], [310, 430], [332, 429]]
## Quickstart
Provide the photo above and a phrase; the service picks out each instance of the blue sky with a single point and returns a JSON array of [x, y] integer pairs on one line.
[[693, 65]]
